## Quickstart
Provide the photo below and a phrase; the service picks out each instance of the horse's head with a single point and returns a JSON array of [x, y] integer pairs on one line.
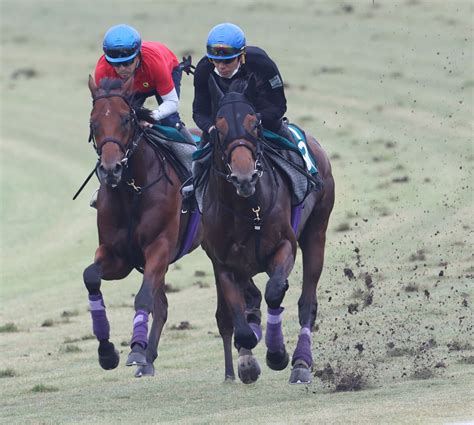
[[113, 125], [238, 140]]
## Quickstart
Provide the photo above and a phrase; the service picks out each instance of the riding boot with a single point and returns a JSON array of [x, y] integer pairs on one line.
[[284, 131], [185, 133], [93, 201], [187, 192]]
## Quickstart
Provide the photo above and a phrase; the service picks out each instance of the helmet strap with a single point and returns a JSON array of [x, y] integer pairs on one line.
[[139, 61]]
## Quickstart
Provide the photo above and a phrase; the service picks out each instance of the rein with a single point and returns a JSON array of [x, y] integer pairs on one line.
[[258, 215], [128, 183], [258, 167], [137, 133]]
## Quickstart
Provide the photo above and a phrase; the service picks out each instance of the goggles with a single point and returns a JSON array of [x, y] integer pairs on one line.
[[120, 53], [226, 61], [223, 50]]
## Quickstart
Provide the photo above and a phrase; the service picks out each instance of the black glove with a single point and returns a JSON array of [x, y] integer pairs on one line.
[[186, 66]]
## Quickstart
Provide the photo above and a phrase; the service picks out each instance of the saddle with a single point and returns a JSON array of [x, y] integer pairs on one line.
[[176, 148], [292, 158], [296, 137], [178, 151]]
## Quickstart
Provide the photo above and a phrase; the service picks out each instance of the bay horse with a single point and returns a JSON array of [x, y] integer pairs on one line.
[[139, 222], [248, 229]]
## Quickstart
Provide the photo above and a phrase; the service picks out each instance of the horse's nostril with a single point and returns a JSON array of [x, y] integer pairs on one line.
[[117, 168]]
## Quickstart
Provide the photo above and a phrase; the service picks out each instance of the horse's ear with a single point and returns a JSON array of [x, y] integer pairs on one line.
[[215, 90], [251, 89], [92, 86], [127, 87]]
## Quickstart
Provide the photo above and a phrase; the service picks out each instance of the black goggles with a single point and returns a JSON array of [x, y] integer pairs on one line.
[[120, 53], [223, 50], [226, 61]]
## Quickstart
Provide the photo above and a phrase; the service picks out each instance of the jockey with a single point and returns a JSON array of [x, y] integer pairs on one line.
[[155, 71], [227, 59], [154, 68]]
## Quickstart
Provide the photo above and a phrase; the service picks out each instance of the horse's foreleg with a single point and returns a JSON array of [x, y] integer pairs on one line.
[[279, 269], [245, 338], [110, 267], [248, 366], [150, 298], [226, 329], [312, 245], [234, 297]]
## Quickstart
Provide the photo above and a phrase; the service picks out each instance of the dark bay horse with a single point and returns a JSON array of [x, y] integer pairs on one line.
[[139, 222], [248, 229]]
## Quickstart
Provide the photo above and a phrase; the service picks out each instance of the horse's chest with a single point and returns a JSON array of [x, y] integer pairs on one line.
[[241, 255], [239, 249]]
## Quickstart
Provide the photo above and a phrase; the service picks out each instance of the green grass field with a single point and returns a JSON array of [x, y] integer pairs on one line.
[[386, 86]]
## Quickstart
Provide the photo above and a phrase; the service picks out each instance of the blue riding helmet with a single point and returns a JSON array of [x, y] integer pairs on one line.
[[121, 43], [225, 41]]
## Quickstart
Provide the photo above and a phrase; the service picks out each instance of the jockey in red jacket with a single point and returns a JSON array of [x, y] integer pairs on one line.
[[153, 66], [155, 71]]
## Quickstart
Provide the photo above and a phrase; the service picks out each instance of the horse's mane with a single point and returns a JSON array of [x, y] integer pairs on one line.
[[144, 114], [108, 84], [237, 86]]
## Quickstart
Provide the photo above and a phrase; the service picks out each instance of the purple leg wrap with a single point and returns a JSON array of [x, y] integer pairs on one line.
[[303, 348], [140, 329], [257, 330], [274, 334], [100, 324]]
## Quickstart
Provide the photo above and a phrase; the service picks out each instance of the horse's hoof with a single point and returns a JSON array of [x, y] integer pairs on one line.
[[145, 370], [248, 367], [137, 356], [278, 360], [229, 380], [301, 373], [108, 356]]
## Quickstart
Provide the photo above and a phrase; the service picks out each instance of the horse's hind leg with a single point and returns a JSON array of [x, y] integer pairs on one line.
[[277, 357], [159, 313], [110, 267], [253, 300], [150, 298], [312, 244], [248, 366]]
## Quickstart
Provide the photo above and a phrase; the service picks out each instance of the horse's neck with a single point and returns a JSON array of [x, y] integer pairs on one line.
[[144, 165]]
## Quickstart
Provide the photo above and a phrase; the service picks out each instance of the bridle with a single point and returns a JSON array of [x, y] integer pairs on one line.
[[238, 138], [127, 148], [130, 145]]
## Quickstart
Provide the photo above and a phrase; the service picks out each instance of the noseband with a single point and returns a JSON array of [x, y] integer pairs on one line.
[[127, 152]]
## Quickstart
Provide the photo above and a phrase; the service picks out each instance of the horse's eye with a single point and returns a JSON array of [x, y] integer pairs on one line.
[[126, 120]]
